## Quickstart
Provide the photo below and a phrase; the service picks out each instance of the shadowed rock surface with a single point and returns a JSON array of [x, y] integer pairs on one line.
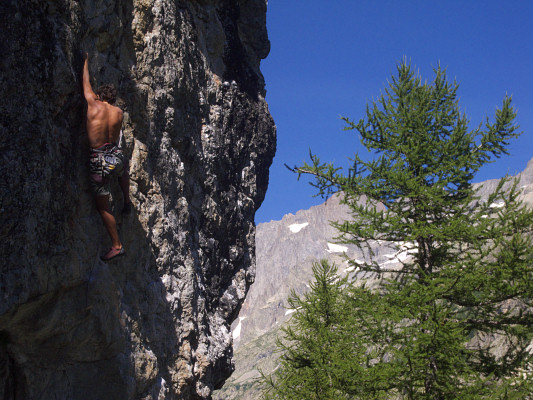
[[155, 323]]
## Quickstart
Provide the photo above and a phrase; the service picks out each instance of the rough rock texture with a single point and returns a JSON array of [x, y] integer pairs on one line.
[[154, 324]]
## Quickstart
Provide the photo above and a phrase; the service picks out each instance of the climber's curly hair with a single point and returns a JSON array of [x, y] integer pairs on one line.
[[107, 93]]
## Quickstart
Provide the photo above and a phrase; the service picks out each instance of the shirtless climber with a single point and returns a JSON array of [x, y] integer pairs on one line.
[[106, 159]]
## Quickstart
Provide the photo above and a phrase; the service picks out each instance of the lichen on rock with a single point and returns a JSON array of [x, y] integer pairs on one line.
[[154, 324]]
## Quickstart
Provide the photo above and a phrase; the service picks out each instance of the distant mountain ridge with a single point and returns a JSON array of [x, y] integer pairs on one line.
[[285, 251]]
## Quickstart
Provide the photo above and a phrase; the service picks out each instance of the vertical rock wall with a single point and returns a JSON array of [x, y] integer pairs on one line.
[[153, 324]]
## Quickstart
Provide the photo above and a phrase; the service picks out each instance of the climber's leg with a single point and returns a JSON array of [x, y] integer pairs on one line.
[[124, 182], [102, 205]]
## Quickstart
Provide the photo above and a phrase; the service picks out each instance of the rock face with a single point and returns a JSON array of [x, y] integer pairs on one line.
[[155, 323]]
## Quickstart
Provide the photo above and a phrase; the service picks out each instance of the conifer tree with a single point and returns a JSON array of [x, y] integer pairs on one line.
[[312, 364], [452, 318]]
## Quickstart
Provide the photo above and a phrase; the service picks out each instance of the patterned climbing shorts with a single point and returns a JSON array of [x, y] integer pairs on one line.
[[105, 162]]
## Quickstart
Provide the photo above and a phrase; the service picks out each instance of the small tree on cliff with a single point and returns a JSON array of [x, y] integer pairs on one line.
[[452, 318]]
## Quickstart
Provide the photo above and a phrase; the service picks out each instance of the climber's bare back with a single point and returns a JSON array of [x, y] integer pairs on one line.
[[103, 123], [103, 119]]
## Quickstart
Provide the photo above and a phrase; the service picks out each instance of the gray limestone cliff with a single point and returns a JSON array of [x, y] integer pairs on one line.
[[154, 324]]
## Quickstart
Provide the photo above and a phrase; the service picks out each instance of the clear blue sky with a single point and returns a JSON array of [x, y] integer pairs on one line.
[[329, 58]]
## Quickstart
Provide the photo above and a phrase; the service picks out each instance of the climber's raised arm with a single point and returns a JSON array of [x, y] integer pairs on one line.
[[88, 92]]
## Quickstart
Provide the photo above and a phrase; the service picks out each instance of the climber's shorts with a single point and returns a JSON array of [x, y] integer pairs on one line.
[[105, 162]]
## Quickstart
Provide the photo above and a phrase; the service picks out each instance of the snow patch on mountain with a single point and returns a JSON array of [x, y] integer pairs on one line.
[[405, 250], [336, 248], [295, 228], [237, 331]]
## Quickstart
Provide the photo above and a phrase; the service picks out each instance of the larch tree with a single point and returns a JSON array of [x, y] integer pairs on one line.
[[452, 317], [312, 360]]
